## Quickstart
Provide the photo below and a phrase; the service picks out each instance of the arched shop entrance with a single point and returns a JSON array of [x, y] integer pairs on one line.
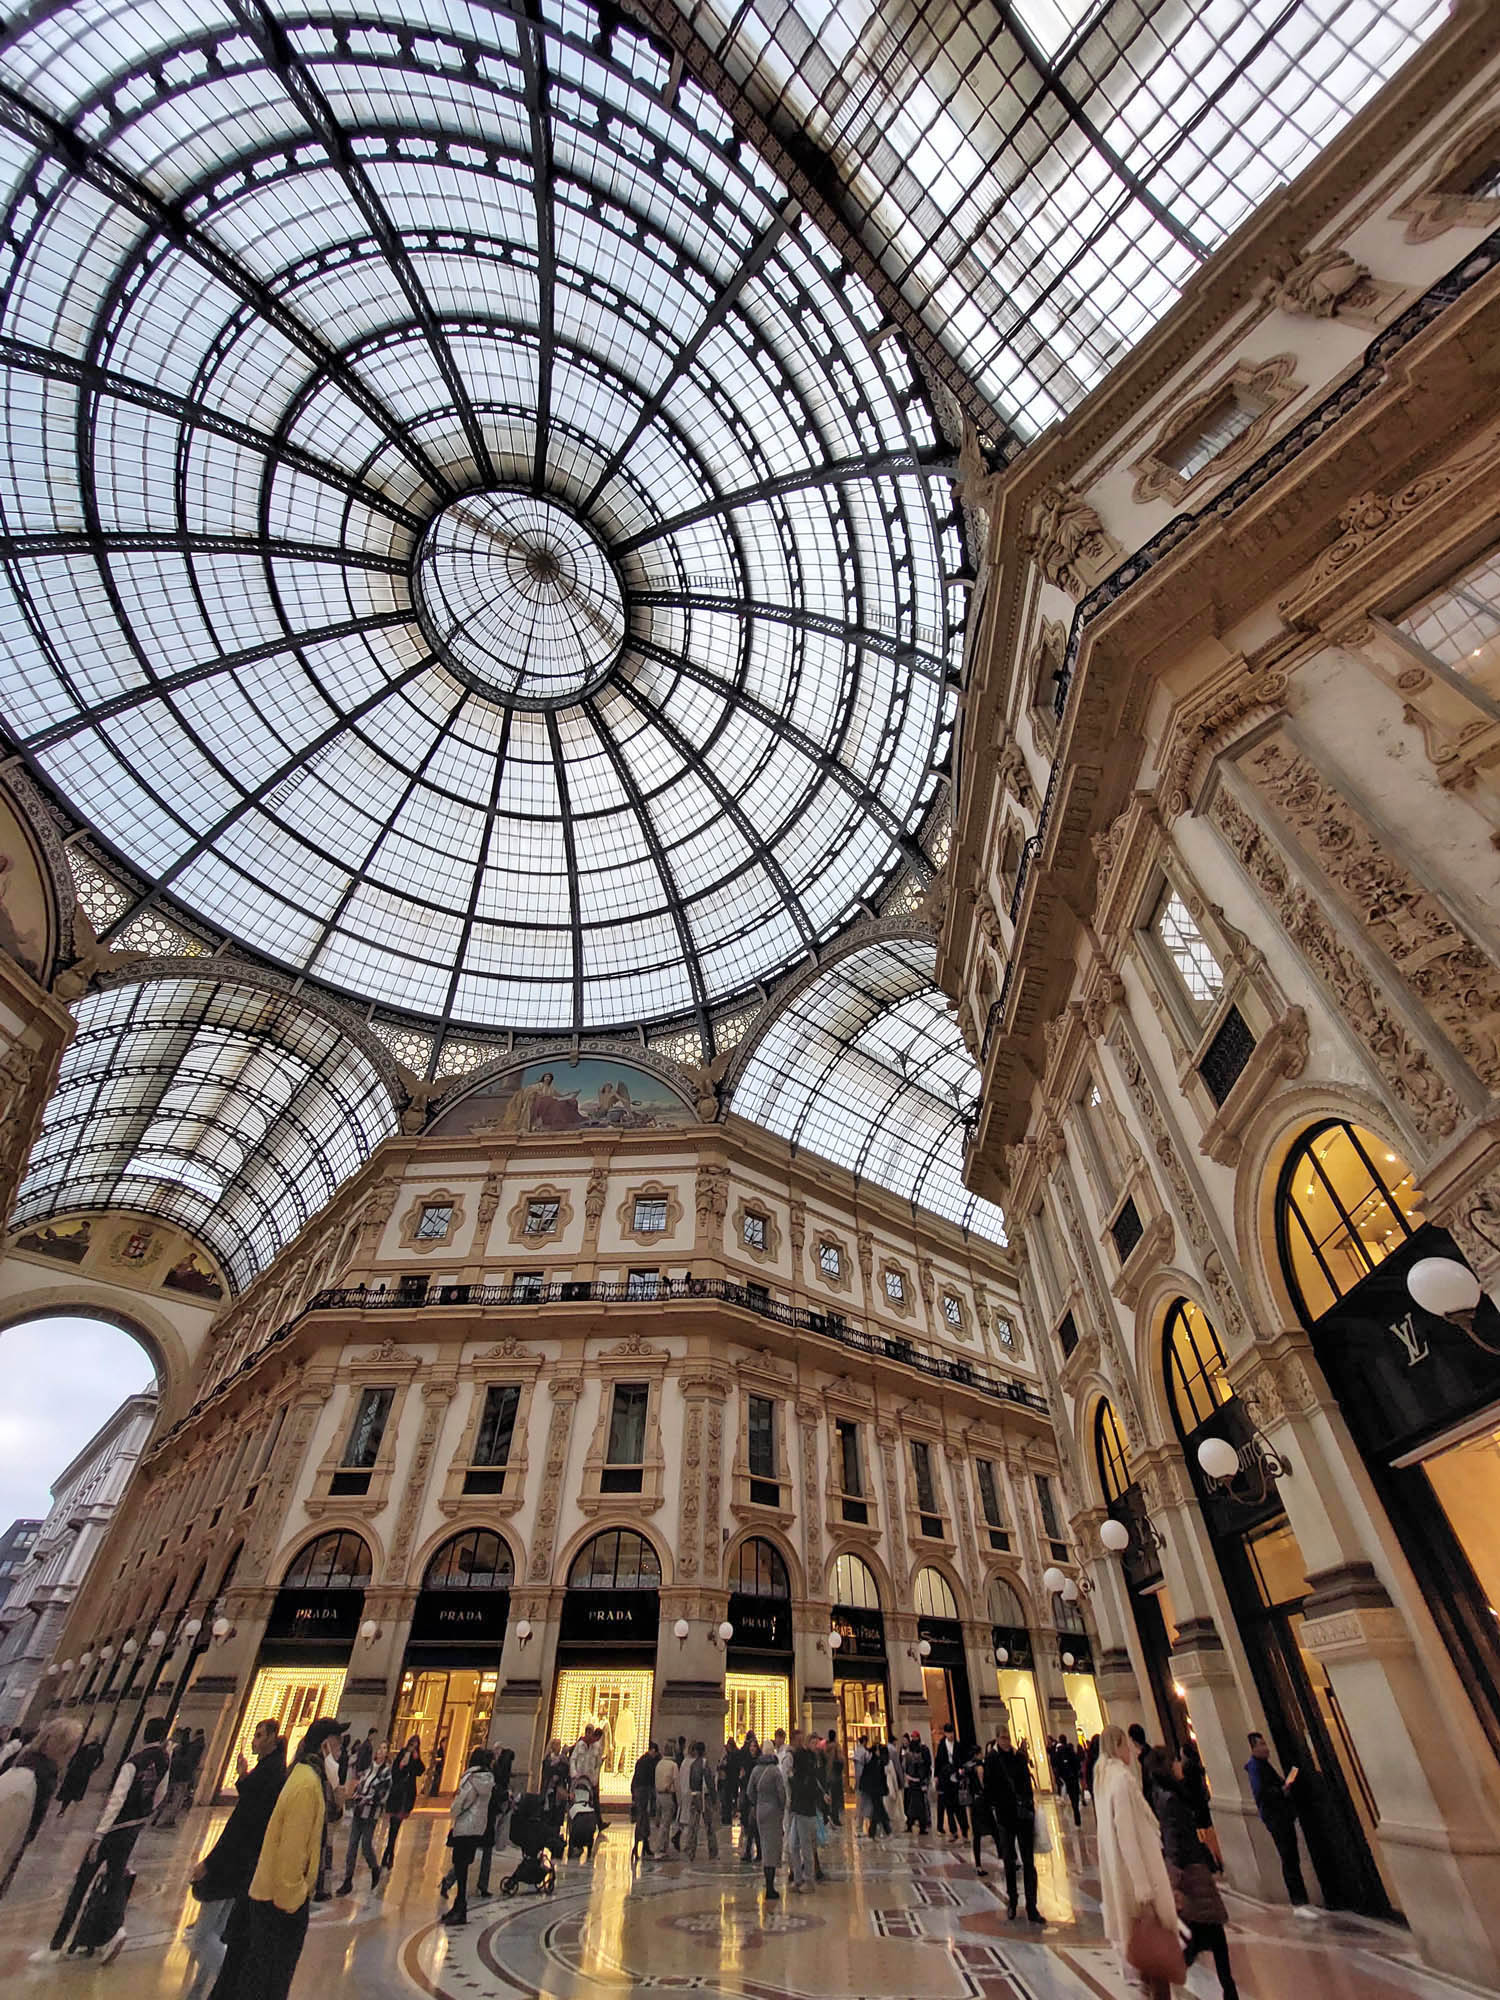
[[452, 1665], [1265, 1579], [940, 1645], [759, 1657], [1015, 1677], [606, 1651], [859, 1666], [309, 1638], [1075, 1660], [1140, 1564]]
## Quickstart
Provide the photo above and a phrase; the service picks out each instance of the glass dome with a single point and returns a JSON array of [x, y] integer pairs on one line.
[[466, 536]]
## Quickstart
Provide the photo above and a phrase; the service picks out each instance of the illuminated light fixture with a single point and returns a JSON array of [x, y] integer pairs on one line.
[[1002, 1656], [157, 1640], [523, 1632], [221, 1628], [835, 1641], [66, 1667], [1449, 1290], [52, 1670], [192, 1628], [1070, 1590], [924, 1647], [1069, 1661], [1053, 1581], [369, 1631], [129, 1650], [106, 1653], [1115, 1536], [85, 1660], [1246, 1475], [680, 1631], [723, 1634]]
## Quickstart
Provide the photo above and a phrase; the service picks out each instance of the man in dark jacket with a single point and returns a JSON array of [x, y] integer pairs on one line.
[[1067, 1763], [226, 1870], [135, 1795], [82, 1765], [946, 1765], [1011, 1799], [1273, 1801]]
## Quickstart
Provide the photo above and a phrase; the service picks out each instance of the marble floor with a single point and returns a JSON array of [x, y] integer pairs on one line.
[[905, 1918]]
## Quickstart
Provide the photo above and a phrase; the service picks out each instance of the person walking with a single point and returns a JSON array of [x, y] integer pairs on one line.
[[364, 1752], [872, 1791], [27, 1785], [497, 1821], [179, 1780], [804, 1801], [82, 1765], [664, 1783], [767, 1796], [724, 1781], [225, 1872], [982, 1819], [372, 1788], [1133, 1881], [916, 1771], [1195, 1790], [1067, 1763], [702, 1804], [401, 1800], [1199, 1904], [1278, 1813], [468, 1815], [835, 1777], [15, 1743], [135, 1795], [1010, 1793], [643, 1800], [945, 1765], [267, 1927], [749, 1836]]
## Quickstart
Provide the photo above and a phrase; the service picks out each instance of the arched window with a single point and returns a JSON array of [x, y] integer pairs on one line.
[[477, 1560], [1005, 1606], [1346, 1200], [619, 1559], [854, 1586], [1196, 1380], [934, 1595], [337, 1561], [760, 1570], [1066, 1616], [1110, 1451]]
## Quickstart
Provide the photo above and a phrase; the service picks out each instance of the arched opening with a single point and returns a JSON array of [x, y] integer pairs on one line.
[[858, 1643], [940, 1646], [1345, 1201], [1109, 1452], [309, 1639], [60, 1459], [1145, 1587], [450, 1674], [1197, 1367], [1015, 1675], [758, 1658], [606, 1652]]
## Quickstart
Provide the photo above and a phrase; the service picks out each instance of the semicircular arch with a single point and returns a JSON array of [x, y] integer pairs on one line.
[[948, 1576], [595, 1531], [796, 1575], [151, 1330], [885, 1591]]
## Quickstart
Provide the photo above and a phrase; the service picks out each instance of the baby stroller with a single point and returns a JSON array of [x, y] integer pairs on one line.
[[583, 1821], [536, 1834]]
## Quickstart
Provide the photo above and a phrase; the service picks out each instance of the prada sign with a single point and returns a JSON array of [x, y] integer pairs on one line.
[[316, 1617], [761, 1624], [460, 1618], [609, 1618]]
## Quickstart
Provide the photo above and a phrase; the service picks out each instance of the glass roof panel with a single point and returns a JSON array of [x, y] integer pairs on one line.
[[1040, 178], [866, 1067], [234, 1112], [479, 557]]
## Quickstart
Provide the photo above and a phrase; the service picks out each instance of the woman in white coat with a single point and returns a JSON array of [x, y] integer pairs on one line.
[[1132, 1869], [26, 1787]]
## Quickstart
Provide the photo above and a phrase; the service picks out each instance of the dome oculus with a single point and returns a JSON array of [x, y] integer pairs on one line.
[[519, 598]]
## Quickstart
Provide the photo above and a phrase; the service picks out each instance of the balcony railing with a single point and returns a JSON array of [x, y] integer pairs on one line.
[[829, 1326]]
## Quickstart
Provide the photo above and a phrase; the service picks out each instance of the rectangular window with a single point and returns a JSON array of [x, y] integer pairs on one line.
[[411, 1287], [650, 1214], [1067, 1334], [953, 1309], [989, 1493], [642, 1284], [526, 1285], [895, 1288], [753, 1229], [434, 1222], [849, 1463], [1005, 1333], [921, 1465], [1051, 1526], [1187, 951], [627, 1424], [762, 1439], [1460, 623], [541, 1217], [497, 1424], [368, 1428], [1226, 1055], [1210, 434], [1126, 1229], [829, 1261]]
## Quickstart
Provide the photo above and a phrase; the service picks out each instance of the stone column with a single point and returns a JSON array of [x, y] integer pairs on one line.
[[527, 1670], [690, 1671]]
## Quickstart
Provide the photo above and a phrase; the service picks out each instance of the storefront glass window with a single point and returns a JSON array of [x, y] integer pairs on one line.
[[934, 1595], [1110, 1451], [762, 1702], [1347, 1200], [1196, 1378], [619, 1559], [1466, 1480], [339, 1561], [478, 1560], [760, 1570], [854, 1585], [616, 1700]]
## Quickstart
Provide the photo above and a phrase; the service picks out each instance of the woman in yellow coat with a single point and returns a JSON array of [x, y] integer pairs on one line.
[[265, 1933]]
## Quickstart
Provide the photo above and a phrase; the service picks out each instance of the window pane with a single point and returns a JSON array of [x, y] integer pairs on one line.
[[1348, 1200], [650, 1214], [497, 1424], [368, 1427], [762, 1440], [1461, 622], [849, 1459], [1187, 948], [921, 1465], [541, 1217], [627, 1424], [989, 1494], [433, 1226]]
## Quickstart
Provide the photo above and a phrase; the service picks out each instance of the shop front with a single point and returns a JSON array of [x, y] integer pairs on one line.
[[1016, 1679], [308, 1642], [759, 1658], [1075, 1657], [606, 1652], [940, 1647], [451, 1669]]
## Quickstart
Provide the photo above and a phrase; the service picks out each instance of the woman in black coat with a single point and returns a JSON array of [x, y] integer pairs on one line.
[[401, 1800], [872, 1790], [1199, 1903]]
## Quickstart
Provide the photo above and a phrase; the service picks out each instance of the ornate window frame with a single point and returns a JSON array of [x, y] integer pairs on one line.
[[411, 1222], [763, 1377], [844, 1282], [1441, 203], [520, 1210], [844, 1402], [649, 1191], [634, 1359], [770, 1251], [905, 1306], [920, 1429], [507, 1363], [1272, 383], [388, 1366]]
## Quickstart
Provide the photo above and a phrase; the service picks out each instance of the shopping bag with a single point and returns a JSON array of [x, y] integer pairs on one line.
[[104, 1910], [1154, 1951], [1041, 1835]]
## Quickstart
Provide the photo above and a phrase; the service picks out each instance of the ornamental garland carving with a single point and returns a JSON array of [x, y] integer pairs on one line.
[[1401, 1062], [714, 1450], [287, 1464], [1069, 542], [1458, 984], [1100, 1309], [565, 1392], [436, 1397], [692, 1466], [812, 1520]]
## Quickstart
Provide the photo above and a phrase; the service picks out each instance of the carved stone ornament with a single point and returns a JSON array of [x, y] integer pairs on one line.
[[594, 1198], [519, 1216], [865, 1243], [1400, 1061], [1014, 774], [1202, 727], [1367, 520], [1329, 284], [1070, 544], [508, 1349], [1269, 385], [1457, 983], [1446, 200], [797, 1221], [565, 1390], [711, 1197]]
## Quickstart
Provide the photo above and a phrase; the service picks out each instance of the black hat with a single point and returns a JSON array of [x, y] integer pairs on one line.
[[319, 1732]]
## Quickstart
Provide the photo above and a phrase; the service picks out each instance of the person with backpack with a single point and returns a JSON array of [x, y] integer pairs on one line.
[[137, 1791]]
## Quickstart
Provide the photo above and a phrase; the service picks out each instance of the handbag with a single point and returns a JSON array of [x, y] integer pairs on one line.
[[820, 1831], [1154, 1951]]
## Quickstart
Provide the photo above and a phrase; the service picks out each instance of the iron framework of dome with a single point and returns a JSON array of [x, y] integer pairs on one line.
[[466, 537]]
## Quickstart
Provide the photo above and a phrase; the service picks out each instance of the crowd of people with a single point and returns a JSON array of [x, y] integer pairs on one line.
[[1157, 1850]]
